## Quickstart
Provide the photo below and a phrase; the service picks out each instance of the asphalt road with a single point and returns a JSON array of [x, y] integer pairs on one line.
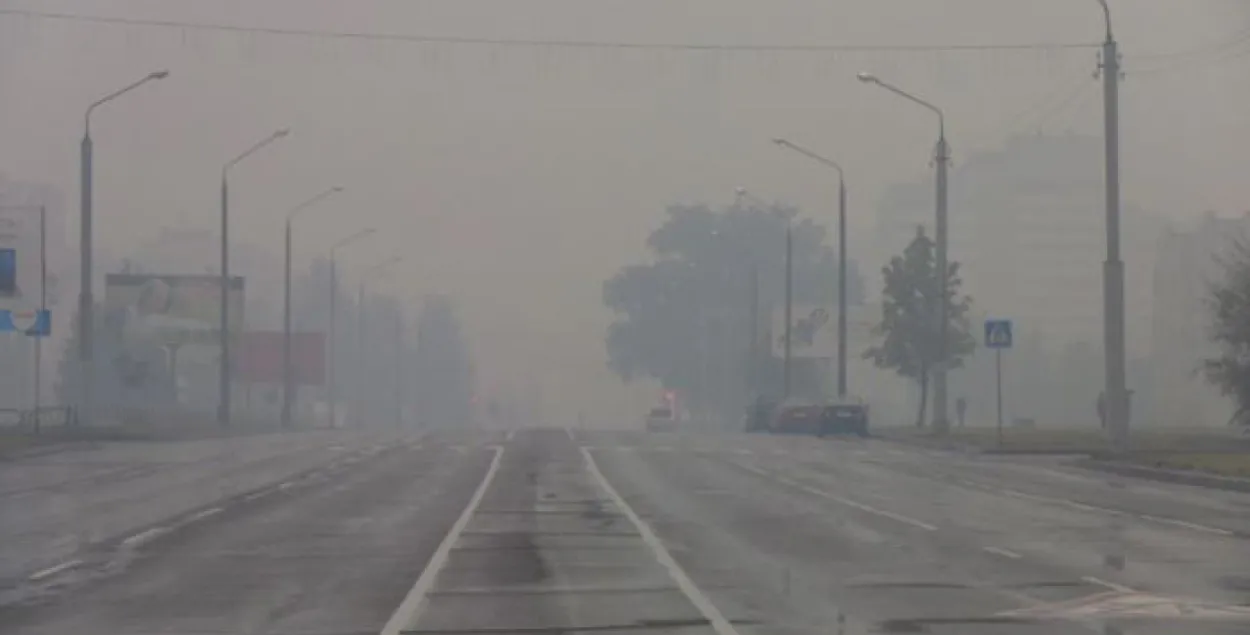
[[557, 531]]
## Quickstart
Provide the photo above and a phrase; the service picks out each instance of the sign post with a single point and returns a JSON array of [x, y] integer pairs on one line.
[[998, 336]]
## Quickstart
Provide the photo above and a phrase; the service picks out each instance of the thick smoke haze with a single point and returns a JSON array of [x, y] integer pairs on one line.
[[516, 179]]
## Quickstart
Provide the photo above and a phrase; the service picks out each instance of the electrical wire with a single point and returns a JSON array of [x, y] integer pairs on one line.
[[543, 43]]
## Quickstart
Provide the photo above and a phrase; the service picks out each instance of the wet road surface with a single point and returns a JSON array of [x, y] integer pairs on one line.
[[557, 531]]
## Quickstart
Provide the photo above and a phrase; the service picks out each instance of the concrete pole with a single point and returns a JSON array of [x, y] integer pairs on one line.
[[223, 366], [841, 287], [940, 421], [86, 303], [1113, 269], [332, 362], [789, 308], [288, 384]]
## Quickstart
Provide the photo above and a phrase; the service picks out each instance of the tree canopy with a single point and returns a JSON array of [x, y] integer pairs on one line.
[[909, 317], [1229, 307], [685, 318]]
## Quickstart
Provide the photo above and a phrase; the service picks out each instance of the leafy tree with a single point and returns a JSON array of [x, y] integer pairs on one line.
[[685, 319], [1229, 307], [909, 318]]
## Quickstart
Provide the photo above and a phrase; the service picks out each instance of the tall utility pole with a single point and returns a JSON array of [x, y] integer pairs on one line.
[[785, 373], [223, 368], [841, 255], [1116, 389], [86, 303], [288, 382], [942, 158], [399, 366]]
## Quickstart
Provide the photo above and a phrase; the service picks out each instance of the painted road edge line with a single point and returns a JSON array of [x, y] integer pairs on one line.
[[51, 571], [1187, 525], [1006, 553], [212, 511], [714, 617], [409, 610], [906, 520], [145, 536], [1118, 588]]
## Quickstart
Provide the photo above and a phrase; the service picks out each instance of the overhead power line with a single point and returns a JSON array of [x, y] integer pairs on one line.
[[546, 43]]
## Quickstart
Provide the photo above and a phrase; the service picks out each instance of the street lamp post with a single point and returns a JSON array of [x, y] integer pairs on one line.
[[288, 385], [841, 256], [1115, 388], [942, 158], [332, 388], [360, 328], [86, 303], [223, 378]]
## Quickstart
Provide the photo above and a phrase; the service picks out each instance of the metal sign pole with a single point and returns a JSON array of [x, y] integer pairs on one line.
[[998, 372]]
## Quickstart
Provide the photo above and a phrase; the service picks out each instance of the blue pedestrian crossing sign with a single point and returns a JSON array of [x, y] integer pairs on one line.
[[998, 334]]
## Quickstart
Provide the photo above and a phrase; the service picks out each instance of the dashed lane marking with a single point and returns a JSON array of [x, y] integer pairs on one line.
[[569, 431], [208, 513], [508, 437], [1188, 525], [1119, 588], [409, 610], [839, 499], [714, 617], [51, 571], [145, 537], [1006, 553]]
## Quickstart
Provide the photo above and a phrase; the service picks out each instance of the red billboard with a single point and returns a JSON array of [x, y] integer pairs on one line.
[[259, 358]]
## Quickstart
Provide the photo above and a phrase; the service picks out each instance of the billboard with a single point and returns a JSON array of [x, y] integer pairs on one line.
[[170, 310], [259, 358], [813, 332]]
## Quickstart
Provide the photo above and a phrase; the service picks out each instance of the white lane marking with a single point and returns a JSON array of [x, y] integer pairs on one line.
[[409, 610], [1117, 512], [838, 499], [51, 571], [286, 485], [1119, 588], [255, 495], [1006, 553], [1188, 525], [144, 537], [569, 431], [212, 511], [714, 617], [508, 437]]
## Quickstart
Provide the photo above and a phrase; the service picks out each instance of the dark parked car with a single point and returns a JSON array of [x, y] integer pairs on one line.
[[844, 418]]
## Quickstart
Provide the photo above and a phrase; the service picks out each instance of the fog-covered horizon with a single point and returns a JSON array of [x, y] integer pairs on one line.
[[518, 178]]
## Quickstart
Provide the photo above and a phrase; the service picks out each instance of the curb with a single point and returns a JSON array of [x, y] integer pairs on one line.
[[1197, 479]]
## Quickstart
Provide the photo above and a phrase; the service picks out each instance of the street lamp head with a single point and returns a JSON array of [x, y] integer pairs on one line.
[[336, 189], [867, 78], [281, 133], [781, 142], [158, 75]]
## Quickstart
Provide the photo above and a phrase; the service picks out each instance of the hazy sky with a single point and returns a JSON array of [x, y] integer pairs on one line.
[[519, 177]]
